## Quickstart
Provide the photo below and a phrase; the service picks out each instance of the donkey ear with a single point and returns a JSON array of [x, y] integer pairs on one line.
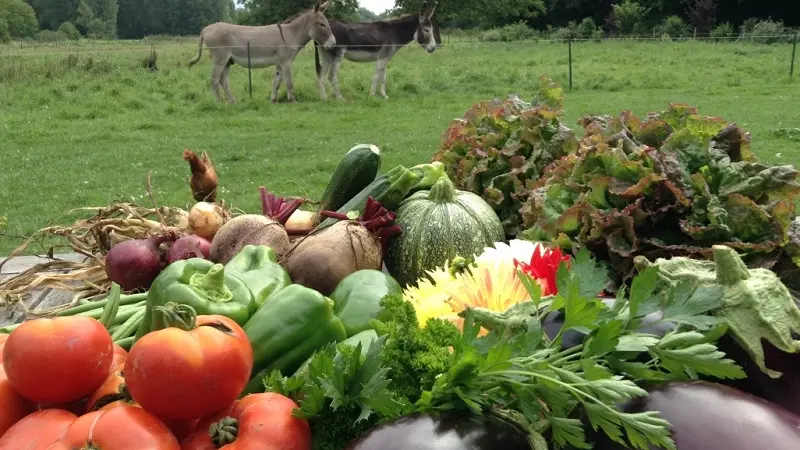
[[423, 8], [431, 11], [321, 5]]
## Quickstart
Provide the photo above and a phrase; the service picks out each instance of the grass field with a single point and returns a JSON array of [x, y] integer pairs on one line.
[[82, 126]]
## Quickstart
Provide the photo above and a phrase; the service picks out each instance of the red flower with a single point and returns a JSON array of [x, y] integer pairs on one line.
[[543, 266]]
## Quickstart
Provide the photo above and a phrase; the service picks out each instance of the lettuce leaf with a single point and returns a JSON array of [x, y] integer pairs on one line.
[[501, 147], [672, 184]]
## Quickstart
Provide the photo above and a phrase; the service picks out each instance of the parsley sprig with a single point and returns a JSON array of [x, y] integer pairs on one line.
[[517, 372], [502, 363]]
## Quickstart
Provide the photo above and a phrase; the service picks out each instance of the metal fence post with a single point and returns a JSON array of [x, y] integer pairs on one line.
[[249, 73], [794, 52], [569, 47]]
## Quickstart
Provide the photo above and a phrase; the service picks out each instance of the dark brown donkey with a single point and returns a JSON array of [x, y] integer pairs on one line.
[[373, 41]]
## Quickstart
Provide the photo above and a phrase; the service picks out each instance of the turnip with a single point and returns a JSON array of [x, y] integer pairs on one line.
[[189, 246], [135, 263], [322, 259], [253, 229]]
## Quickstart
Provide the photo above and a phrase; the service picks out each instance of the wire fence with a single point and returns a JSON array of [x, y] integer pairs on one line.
[[23, 52]]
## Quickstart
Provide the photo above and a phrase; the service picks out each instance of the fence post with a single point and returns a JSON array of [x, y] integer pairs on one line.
[[569, 47], [249, 73], [794, 52]]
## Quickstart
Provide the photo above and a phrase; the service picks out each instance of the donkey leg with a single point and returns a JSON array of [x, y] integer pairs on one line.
[[375, 79], [276, 83], [216, 74], [226, 84], [335, 65], [324, 68], [383, 78], [286, 71]]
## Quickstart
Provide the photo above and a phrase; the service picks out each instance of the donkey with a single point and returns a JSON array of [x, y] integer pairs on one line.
[[270, 45], [373, 41]]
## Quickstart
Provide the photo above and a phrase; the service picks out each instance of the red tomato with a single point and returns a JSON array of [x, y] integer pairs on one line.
[[3, 338], [264, 421], [119, 356], [112, 390], [77, 408], [12, 406], [178, 374], [37, 431], [123, 428], [58, 360]]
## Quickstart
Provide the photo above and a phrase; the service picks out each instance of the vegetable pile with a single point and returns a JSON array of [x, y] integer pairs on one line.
[[528, 289]]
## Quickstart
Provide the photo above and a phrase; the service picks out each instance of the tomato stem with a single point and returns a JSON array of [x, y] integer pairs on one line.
[[224, 432]]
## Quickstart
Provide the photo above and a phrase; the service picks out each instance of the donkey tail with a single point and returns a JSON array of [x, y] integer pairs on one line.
[[316, 58], [199, 52]]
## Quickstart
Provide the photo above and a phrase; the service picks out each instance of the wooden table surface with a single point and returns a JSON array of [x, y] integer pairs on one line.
[[41, 299]]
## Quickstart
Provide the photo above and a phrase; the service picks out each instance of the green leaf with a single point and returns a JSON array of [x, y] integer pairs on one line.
[[643, 298], [568, 432], [687, 305], [703, 358], [592, 278], [646, 428], [594, 371], [580, 314], [636, 342], [604, 339], [611, 424]]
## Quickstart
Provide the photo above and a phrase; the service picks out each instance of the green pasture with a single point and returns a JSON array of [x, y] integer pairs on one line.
[[83, 125]]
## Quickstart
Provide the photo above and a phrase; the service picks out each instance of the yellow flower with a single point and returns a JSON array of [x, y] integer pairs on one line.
[[491, 282], [429, 297]]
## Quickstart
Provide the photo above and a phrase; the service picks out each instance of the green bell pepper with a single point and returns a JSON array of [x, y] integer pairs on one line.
[[202, 285], [288, 329], [357, 298], [257, 266]]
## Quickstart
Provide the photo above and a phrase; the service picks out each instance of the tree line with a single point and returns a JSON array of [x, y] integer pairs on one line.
[[128, 19]]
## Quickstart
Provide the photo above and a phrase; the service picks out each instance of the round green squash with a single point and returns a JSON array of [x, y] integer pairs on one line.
[[439, 225]]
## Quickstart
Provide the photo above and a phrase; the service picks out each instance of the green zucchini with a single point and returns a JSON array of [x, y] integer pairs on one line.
[[357, 169], [391, 188]]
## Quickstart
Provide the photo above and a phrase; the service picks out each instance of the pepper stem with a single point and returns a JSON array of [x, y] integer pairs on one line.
[[443, 191], [730, 267], [212, 284], [176, 315], [224, 432]]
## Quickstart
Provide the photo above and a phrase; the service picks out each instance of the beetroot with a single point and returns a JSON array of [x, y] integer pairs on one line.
[[135, 263], [190, 246]]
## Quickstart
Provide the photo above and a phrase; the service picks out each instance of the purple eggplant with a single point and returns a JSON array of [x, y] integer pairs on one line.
[[710, 416], [433, 431], [783, 391]]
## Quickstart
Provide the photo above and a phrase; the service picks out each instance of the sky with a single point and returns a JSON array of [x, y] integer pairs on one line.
[[376, 6]]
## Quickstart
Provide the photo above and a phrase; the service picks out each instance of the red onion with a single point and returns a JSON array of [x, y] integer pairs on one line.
[[135, 263], [190, 246]]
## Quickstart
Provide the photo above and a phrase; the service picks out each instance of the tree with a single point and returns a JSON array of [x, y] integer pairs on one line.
[[139, 18], [702, 14], [628, 17], [69, 31], [5, 36], [263, 12], [20, 19], [84, 15], [485, 13], [366, 15]]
